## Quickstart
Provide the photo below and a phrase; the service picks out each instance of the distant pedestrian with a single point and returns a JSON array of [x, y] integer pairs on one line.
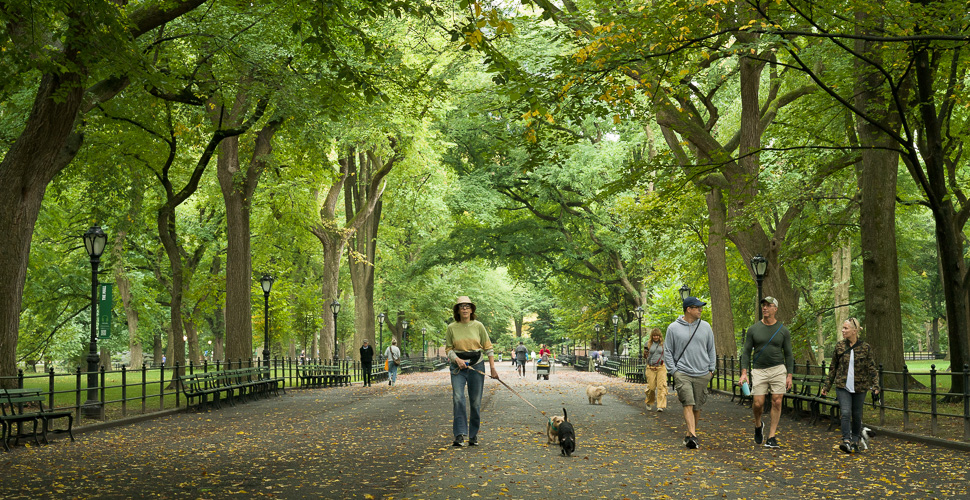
[[853, 372], [690, 356], [544, 351], [467, 345], [656, 371], [521, 354], [366, 361], [393, 356], [771, 369]]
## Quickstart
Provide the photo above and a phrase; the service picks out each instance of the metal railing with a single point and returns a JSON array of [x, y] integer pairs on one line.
[[137, 391]]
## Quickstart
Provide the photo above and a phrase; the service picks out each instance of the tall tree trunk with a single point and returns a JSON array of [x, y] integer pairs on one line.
[[877, 213], [217, 320], [841, 278], [722, 320], [364, 245]]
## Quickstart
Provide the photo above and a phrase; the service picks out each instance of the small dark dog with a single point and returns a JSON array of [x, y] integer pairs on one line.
[[567, 437]]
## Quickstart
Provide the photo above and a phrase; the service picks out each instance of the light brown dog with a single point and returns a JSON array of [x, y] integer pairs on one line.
[[552, 428], [595, 394]]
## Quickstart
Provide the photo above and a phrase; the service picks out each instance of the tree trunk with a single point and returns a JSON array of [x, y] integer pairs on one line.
[[722, 320], [364, 244], [42, 150], [217, 320], [239, 282], [131, 316], [877, 213], [841, 278]]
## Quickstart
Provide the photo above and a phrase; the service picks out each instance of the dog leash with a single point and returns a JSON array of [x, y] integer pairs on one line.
[[513, 392]]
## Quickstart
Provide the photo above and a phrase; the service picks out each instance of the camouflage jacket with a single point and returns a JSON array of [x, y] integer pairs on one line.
[[866, 376]]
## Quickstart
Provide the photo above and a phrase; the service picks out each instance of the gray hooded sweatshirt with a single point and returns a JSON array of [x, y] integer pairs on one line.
[[700, 358]]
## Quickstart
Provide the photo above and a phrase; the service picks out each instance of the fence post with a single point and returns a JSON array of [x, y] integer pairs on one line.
[[102, 391], [77, 392], [144, 388], [161, 388], [933, 419], [177, 379], [966, 401], [882, 396], [124, 391], [50, 388], [905, 397]]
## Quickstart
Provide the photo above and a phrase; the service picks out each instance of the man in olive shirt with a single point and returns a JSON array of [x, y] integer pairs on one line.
[[772, 368]]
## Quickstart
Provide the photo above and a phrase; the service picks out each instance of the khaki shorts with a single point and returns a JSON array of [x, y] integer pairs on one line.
[[765, 380], [691, 391]]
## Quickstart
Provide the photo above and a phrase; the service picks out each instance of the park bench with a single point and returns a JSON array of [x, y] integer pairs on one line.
[[636, 377], [200, 386], [321, 376], [611, 368], [805, 396], [229, 384], [20, 406]]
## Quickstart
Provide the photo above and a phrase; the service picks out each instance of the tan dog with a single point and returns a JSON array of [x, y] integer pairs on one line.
[[595, 394], [552, 428]]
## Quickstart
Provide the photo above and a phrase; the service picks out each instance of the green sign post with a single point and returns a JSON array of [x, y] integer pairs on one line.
[[104, 311]]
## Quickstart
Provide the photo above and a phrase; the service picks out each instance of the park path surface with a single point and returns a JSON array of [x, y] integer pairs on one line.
[[395, 442]]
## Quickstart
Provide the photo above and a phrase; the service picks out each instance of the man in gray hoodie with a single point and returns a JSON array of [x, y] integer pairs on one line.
[[690, 357]]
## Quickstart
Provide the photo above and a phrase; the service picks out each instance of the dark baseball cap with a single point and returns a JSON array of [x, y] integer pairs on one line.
[[693, 302]]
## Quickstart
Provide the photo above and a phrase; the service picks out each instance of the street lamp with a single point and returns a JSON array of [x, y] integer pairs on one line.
[[404, 336], [94, 242], [424, 347], [616, 322], [380, 319], [267, 283], [639, 312], [684, 292], [598, 327], [759, 265], [335, 308]]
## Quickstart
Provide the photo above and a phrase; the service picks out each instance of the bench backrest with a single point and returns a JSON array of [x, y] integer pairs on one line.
[[20, 401]]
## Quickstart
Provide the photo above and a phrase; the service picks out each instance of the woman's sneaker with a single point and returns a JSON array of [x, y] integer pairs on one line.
[[772, 442], [846, 446]]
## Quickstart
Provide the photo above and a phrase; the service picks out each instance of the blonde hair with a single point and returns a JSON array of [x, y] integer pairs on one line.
[[855, 323], [659, 334]]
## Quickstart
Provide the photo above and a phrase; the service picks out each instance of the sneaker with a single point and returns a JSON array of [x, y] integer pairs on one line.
[[660, 409], [473, 441], [457, 442], [759, 434], [846, 446], [772, 442], [692, 442]]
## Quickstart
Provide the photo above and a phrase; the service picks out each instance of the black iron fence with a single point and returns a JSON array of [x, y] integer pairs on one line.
[[126, 392]]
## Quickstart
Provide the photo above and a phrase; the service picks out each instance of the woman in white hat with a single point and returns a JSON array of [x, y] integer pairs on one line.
[[467, 345]]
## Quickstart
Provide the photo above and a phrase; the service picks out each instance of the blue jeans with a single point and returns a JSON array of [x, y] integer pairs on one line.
[[392, 372], [850, 409], [475, 381]]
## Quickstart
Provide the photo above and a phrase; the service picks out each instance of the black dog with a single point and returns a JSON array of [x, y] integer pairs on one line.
[[567, 437]]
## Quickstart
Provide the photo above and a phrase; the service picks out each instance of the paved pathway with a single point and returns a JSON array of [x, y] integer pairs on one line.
[[394, 442]]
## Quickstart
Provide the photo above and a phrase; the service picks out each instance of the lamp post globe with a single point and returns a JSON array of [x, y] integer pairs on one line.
[[759, 265], [404, 338], [95, 240], [684, 292], [598, 328], [380, 319], [616, 323], [335, 308], [266, 282]]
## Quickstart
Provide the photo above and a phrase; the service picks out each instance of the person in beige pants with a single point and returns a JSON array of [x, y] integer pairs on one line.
[[656, 371]]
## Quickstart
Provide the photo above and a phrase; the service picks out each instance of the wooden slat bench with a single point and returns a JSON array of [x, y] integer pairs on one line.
[[20, 406], [321, 376]]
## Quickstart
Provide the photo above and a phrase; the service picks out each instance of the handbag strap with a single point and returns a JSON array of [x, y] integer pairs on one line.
[[766, 344]]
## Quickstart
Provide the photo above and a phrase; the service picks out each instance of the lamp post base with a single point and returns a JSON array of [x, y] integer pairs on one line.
[[93, 409]]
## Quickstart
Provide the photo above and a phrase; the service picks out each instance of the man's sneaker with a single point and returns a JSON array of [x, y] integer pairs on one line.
[[846, 446], [692, 442], [759, 433], [772, 442], [473, 441], [458, 440]]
